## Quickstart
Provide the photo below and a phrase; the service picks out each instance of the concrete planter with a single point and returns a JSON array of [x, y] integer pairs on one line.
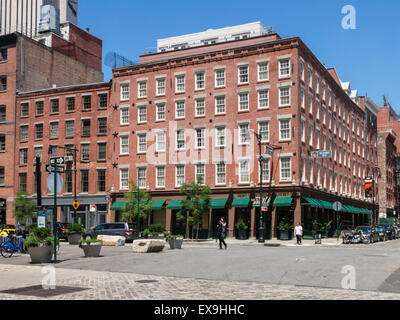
[[159, 237], [92, 250], [74, 238], [242, 235], [175, 243], [41, 254]]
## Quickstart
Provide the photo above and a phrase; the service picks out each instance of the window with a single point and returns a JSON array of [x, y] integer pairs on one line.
[[160, 87], [53, 151], [160, 143], [1, 176], [220, 137], [86, 128], [69, 128], [180, 109], [263, 99], [284, 68], [200, 81], [221, 172], [124, 145], [142, 89], [310, 78], [243, 101], [180, 83], [265, 171], [303, 131], [54, 106], [200, 107], [2, 143], [284, 97], [123, 179], [142, 143], [302, 98], [53, 130], [244, 171], [85, 152], [316, 85], [160, 112], [3, 83], [101, 151], [220, 105], [141, 177], [244, 134], [103, 100], [179, 175], [284, 130], [201, 173], [180, 139], [86, 103], [101, 180], [124, 116], [23, 156], [24, 110], [3, 54], [85, 181], [160, 179], [311, 130], [263, 130], [302, 71], [39, 131], [286, 170], [102, 126], [124, 91], [317, 135], [263, 71], [23, 133], [142, 114], [243, 74], [310, 101], [38, 152], [70, 102], [220, 78], [3, 113], [22, 182], [317, 109], [200, 138]]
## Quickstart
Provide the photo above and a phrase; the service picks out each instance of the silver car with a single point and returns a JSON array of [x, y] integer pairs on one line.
[[112, 229]]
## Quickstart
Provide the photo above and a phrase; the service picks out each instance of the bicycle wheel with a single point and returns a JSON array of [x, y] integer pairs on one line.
[[6, 252]]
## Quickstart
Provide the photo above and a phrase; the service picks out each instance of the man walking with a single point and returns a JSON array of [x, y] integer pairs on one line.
[[299, 233]]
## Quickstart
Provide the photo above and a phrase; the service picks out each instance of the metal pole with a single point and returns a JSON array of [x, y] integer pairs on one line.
[[55, 212], [261, 238], [138, 211], [74, 217]]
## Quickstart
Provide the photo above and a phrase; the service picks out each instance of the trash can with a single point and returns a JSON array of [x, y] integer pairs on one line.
[[318, 238]]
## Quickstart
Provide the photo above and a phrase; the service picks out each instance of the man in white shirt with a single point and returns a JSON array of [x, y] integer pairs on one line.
[[299, 233]]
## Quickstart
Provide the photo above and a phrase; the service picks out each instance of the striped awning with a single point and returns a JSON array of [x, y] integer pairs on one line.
[[315, 203]]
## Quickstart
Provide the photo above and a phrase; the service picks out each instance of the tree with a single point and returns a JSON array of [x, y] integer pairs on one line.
[[196, 204], [129, 213], [24, 208]]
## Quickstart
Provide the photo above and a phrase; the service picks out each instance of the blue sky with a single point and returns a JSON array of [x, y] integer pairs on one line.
[[368, 57]]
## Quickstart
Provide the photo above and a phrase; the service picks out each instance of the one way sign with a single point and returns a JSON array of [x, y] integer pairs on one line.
[[50, 169], [58, 160]]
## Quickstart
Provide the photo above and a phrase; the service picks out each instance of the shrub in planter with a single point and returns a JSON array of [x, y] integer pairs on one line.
[[75, 233], [174, 241], [154, 231], [242, 227], [40, 245], [91, 247], [284, 227]]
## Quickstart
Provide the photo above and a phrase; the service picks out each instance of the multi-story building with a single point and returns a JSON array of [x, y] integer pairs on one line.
[[191, 112]]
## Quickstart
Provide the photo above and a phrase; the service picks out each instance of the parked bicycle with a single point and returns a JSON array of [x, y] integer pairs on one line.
[[9, 247]]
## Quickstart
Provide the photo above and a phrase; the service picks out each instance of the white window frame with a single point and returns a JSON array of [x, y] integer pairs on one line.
[[125, 185], [197, 81], [286, 96], [158, 105], [216, 104], [240, 101], [124, 117], [177, 185], [179, 84], [259, 72], [203, 100], [240, 74], [222, 70], [158, 176], [218, 173], [217, 136], [268, 131], [281, 169], [161, 90], [123, 146], [280, 130], [176, 140], [179, 102], [247, 173], [282, 76], [259, 93], [140, 144], [140, 178], [161, 142], [142, 90], [125, 94], [140, 115]]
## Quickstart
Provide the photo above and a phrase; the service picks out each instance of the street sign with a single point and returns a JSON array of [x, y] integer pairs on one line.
[[50, 168], [57, 160], [321, 154], [269, 151], [264, 209], [337, 206], [41, 221], [75, 204], [92, 208], [50, 183]]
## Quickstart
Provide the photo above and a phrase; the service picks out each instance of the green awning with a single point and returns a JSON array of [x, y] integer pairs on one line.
[[218, 203], [315, 203], [283, 201], [241, 202], [157, 204], [175, 205], [118, 205], [326, 204], [142, 202]]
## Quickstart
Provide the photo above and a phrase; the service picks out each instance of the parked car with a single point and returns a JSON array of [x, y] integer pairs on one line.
[[113, 229], [369, 233], [397, 231], [346, 231], [382, 233], [389, 231], [62, 229]]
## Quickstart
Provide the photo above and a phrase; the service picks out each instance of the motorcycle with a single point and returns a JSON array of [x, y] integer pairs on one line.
[[347, 238], [357, 237]]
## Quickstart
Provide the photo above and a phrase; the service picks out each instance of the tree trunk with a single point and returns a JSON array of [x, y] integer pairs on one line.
[[197, 235]]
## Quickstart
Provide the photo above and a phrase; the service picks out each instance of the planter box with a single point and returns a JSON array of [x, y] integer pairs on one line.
[[175, 243], [284, 235], [242, 235], [41, 254], [159, 237], [92, 250], [74, 238]]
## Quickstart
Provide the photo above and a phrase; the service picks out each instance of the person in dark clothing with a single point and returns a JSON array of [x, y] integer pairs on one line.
[[221, 233]]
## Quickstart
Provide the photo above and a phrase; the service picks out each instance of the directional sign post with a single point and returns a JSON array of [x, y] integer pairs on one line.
[[50, 169], [337, 206], [57, 160]]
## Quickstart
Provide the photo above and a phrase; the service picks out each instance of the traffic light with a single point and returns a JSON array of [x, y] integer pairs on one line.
[[369, 188]]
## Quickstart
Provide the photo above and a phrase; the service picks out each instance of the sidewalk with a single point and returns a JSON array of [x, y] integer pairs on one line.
[[331, 242]]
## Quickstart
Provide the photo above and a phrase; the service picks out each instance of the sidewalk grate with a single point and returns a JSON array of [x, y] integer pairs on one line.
[[39, 291]]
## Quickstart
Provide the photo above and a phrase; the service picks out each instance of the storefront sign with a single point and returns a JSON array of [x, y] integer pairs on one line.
[[41, 220]]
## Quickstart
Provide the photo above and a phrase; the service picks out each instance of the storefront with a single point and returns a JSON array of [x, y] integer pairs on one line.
[[3, 210], [242, 211], [218, 210]]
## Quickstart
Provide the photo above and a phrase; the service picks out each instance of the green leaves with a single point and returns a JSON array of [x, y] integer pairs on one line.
[[129, 214], [24, 208]]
